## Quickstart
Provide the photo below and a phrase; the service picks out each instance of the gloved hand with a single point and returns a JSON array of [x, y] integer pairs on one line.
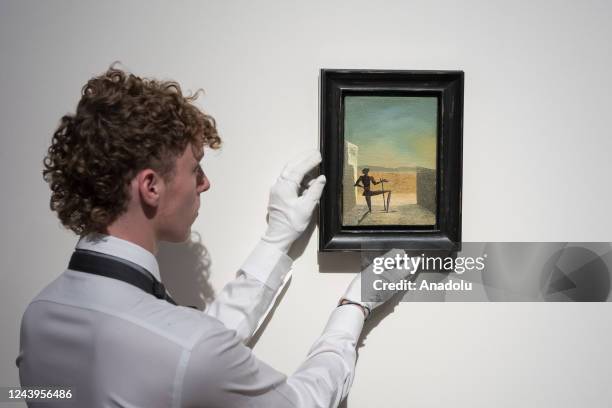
[[288, 213], [369, 298]]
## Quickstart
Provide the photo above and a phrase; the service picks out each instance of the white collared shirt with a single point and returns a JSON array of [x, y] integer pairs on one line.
[[118, 346]]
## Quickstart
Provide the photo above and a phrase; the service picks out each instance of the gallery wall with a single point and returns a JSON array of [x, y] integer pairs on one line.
[[536, 168]]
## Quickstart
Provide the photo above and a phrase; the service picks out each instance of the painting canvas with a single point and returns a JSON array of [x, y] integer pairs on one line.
[[390, 153]]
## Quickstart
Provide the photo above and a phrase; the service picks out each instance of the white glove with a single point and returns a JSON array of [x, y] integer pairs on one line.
[[369, 298], [288, 213]]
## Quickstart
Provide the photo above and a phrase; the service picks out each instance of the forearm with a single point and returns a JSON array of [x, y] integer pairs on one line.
[[244, 302], [325, 377]]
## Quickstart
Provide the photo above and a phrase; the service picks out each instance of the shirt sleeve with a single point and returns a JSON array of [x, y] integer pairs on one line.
[[223, 372], [243, 303]]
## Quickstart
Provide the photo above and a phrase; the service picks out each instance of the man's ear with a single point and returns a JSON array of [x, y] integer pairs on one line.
[[150, 186]]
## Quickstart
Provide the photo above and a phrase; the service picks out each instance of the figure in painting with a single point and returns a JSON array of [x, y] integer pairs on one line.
[[364, 182]]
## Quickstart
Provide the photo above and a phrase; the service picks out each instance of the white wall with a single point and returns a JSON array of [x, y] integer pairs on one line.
[[536, 167]]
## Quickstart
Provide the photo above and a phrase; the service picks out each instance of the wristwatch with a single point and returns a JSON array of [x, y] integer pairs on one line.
[[366, 310]]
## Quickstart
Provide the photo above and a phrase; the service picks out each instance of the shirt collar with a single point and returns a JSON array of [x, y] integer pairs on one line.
[[110, 245]]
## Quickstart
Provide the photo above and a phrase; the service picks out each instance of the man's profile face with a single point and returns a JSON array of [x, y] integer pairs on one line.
[[180, 202]]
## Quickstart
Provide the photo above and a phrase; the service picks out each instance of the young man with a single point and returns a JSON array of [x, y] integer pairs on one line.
[[124, 173]]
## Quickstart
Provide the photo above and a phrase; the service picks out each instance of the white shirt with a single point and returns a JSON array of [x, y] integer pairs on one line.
[[118, 346]]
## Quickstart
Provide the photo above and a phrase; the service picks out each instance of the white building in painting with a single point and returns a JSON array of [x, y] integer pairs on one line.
[[350, 194]]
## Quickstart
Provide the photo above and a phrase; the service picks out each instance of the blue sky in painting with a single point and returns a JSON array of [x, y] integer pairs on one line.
[[392, 131]]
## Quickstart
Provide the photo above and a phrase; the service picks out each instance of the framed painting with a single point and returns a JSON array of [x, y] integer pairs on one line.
[[391, 143]]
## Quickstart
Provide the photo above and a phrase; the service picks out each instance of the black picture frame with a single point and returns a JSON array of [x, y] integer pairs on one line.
[[447, 86]]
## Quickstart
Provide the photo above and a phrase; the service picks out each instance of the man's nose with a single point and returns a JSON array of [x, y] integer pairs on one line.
[[204, 184]]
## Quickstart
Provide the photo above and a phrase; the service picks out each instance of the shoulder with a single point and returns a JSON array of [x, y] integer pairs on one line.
[[183, 325], [106, 304]]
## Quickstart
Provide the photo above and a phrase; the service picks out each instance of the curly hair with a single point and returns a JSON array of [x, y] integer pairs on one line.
[[123, 124]]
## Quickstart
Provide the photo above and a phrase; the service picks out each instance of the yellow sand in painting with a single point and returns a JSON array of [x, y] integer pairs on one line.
[[404, 209], [403, 186]]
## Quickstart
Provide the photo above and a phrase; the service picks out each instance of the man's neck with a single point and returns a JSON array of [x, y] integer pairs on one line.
[[136, 234]]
